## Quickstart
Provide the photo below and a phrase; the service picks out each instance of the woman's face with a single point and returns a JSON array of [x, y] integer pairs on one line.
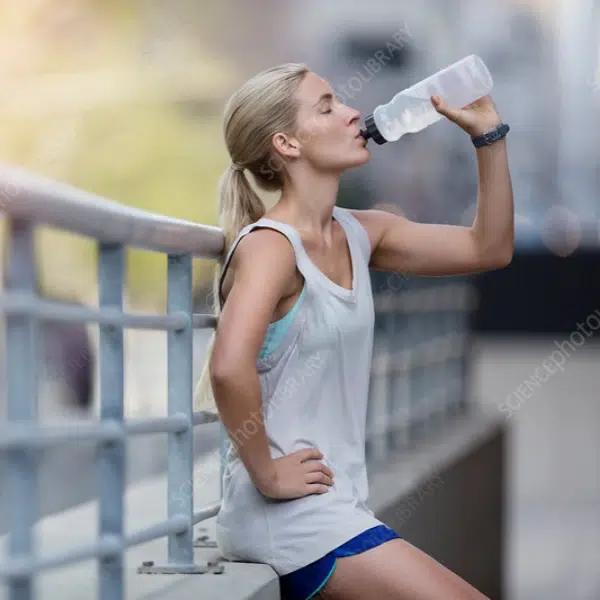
[[328, 133]]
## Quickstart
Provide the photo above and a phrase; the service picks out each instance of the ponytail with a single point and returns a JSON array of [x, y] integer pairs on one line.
[[239, 205], [264, 106]]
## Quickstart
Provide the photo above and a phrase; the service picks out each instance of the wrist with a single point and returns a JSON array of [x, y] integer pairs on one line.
[[491, 136], [497, 146], [265, 477], [483, 128]]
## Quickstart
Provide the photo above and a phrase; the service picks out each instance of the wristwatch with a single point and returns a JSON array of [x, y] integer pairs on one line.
[[491, 136]]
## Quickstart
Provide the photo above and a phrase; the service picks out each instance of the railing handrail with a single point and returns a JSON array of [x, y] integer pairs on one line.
[[33, 198], [28, 201]]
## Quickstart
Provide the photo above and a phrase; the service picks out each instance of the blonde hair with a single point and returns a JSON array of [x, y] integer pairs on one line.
[[265, 105]]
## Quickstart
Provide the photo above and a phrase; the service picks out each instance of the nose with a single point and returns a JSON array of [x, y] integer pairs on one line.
[[354, 115]]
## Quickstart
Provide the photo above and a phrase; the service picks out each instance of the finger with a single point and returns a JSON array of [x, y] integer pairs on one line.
[[310, 453], [318, 477], [329, 472], [318, 467], [317, 488], [442, 107], [326, 470]]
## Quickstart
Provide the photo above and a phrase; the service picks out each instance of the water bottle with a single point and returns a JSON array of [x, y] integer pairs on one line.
[[411, 110]]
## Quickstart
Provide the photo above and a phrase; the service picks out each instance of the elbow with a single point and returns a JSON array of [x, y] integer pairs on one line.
[[507, 253], [494, 254], [219, 367], [222, 371], [501, 258], [228, 362], [508, 257]]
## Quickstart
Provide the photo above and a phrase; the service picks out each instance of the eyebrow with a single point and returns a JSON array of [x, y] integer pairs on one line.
[[327, 96]]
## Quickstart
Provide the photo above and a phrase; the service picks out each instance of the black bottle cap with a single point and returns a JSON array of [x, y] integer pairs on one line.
[[371, 131]]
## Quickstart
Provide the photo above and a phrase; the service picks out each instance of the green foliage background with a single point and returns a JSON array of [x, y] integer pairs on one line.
[[121, 103]]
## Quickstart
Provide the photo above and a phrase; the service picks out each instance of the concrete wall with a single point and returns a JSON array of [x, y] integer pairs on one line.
[[459, 516]]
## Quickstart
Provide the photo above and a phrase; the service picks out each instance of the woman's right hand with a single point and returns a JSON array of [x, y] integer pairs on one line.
[[296, 475]]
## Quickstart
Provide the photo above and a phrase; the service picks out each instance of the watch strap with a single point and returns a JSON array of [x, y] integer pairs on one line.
[[491, 136]]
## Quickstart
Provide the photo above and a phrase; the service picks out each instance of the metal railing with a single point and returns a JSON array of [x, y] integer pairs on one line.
[[420, 361], [418, 374], [28, 201]]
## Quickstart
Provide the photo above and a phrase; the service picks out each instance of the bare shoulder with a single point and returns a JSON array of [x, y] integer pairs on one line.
[[262, 273], [374, 222], [267, 258]]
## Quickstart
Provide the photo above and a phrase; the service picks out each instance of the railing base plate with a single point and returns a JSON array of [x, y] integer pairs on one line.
[[204, 541], [151, 569]]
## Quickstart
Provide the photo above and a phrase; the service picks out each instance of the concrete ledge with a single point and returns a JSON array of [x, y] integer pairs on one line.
[[392, 483]]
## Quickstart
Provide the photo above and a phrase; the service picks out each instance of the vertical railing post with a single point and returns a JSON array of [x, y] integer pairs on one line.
[[436, 383], [399, 387], [415, 340], [181, 450], [464, 316], [180, 467], [223, 449], [111, 455], [22, 379], [393, 352], [377, 408], [454, 373]]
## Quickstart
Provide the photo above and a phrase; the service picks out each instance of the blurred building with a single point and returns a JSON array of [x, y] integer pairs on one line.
[[370, 51]]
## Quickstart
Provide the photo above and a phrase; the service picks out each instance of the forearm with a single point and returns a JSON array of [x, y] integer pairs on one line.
[[494, 220], [238, 397]]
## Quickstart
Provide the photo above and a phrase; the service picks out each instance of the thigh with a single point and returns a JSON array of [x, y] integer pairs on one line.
[[395, 570]]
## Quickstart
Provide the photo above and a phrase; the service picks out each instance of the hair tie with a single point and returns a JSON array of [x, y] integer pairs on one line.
[[236, 167]]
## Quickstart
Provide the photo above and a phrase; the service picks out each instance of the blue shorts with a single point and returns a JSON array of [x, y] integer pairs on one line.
[[307, 581]]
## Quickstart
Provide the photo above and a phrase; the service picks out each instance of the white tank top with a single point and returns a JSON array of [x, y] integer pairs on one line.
[[315, 389]]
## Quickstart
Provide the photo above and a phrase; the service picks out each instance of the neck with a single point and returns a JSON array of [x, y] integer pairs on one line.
[[309, 205]]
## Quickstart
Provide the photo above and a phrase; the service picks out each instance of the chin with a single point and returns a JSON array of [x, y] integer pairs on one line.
[[362, 159], [356, 159]]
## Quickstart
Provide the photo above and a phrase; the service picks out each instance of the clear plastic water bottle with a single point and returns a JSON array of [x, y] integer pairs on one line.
[[411, 110]]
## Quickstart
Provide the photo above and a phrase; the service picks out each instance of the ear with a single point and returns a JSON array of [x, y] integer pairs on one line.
[[286, 146]]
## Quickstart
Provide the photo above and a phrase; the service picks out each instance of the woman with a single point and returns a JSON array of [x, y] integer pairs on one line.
[[290, 359]]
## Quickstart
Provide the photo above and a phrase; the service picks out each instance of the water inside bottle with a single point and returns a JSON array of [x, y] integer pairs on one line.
[[411, 110], [412, 113]]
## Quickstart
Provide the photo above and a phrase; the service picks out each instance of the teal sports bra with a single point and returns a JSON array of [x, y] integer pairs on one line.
[[277, 330]]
